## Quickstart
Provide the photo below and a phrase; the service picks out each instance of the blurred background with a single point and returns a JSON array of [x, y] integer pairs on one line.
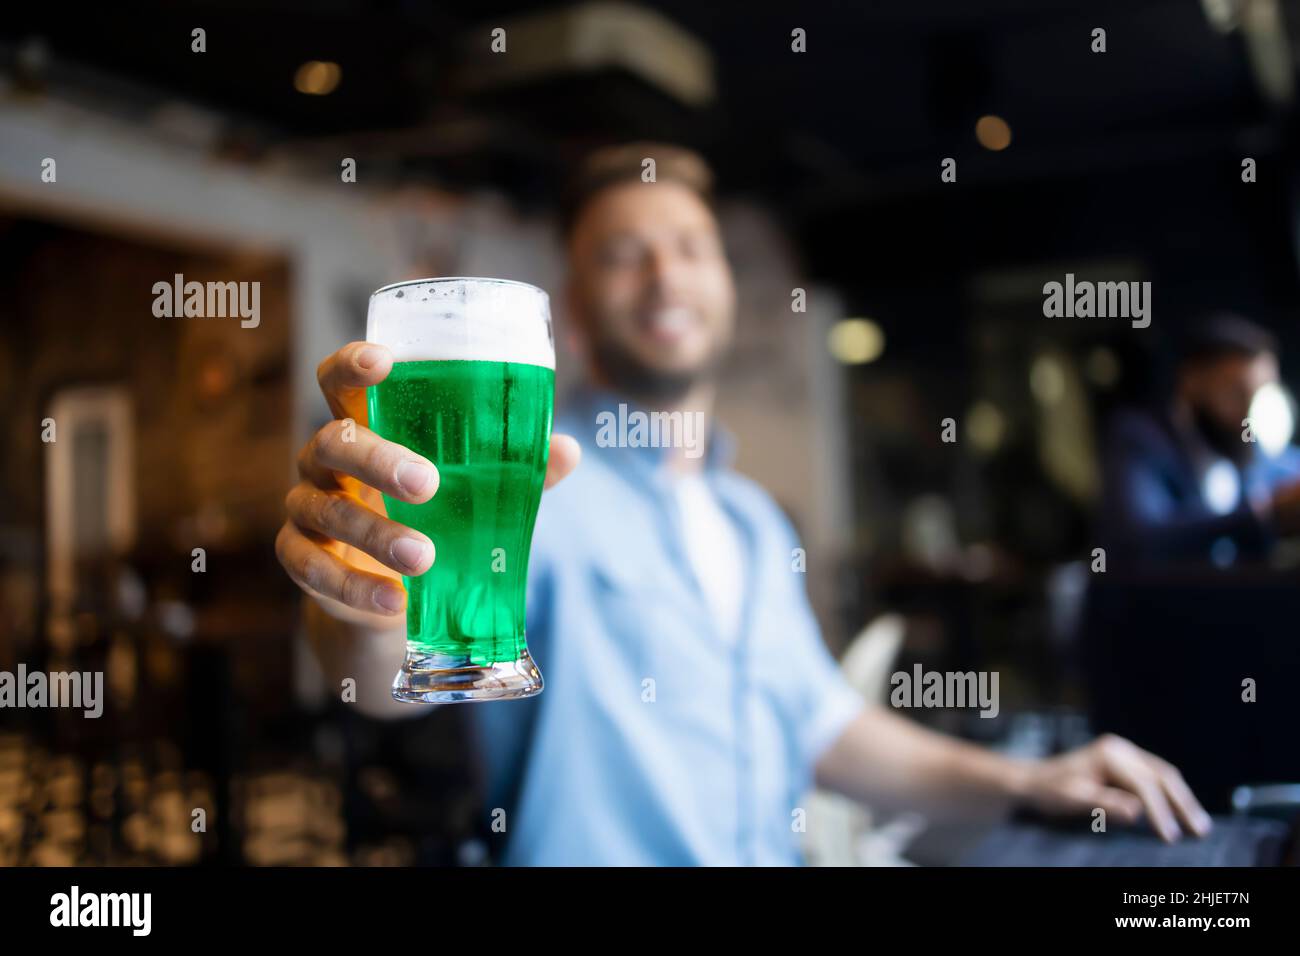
[[924, 303]]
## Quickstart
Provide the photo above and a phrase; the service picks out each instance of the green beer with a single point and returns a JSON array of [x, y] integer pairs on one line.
[[471, 389], [487, 426]]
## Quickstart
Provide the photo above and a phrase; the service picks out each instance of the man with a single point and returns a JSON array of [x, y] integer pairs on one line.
[[1185, 484], [689, 699]]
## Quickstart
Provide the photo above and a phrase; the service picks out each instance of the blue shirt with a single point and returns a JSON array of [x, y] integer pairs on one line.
[[708, 764], [1168, 498]]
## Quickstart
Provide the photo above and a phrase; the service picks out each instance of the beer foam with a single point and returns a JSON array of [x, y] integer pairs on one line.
[[491, 320]]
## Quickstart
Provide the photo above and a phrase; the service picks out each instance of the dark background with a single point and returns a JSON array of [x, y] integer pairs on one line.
[[1128, 160]]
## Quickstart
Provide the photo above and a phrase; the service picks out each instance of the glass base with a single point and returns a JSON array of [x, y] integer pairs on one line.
[[446, 679]]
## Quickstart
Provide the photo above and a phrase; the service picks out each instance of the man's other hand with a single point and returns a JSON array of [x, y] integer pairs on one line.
[[1116, 776]]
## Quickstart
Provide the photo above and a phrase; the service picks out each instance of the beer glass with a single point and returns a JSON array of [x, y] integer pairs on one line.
[[472, 389]]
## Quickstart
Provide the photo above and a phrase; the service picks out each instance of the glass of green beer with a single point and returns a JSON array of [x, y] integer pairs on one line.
[[472, 389]]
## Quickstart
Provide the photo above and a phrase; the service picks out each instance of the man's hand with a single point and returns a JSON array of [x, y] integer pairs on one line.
[[1120, 778], [338, 543], [893, 764]]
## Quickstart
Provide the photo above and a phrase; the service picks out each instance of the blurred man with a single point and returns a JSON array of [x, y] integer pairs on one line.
[[689, 700], [1188, 483]]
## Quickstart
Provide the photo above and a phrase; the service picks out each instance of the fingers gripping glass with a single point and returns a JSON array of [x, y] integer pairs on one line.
[[472, 389]]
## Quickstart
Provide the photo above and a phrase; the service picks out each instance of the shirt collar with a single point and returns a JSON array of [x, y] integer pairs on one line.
[[600, 414]]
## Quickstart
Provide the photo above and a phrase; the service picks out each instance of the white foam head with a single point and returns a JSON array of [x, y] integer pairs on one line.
[[492, 320]]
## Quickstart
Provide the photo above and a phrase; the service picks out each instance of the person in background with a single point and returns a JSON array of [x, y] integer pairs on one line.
[[1185, 483], [663, 565]]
